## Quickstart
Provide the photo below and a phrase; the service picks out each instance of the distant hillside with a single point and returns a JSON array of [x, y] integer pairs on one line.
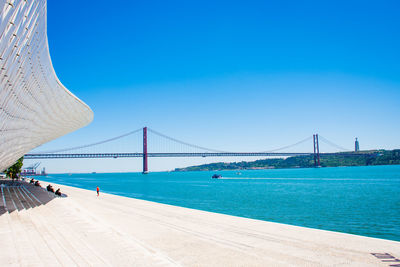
[[381, 157]]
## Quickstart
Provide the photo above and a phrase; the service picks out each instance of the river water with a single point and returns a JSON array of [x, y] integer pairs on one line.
[[357, 200]]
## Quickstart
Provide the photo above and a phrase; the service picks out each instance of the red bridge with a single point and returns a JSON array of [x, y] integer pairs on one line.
[[207, 152]]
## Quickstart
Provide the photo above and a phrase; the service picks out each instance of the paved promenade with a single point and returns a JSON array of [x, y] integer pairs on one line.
[[86, 230]]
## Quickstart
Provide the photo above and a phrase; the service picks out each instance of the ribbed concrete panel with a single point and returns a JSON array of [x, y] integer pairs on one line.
[[34, 106]]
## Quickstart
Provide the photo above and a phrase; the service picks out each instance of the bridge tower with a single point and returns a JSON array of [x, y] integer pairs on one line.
[[316, 150], [145, 166]]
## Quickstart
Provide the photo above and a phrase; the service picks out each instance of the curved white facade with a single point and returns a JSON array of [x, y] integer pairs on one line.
[[34, 106]]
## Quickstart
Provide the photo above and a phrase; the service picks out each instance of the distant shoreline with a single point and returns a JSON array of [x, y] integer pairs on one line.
[[379, 157]]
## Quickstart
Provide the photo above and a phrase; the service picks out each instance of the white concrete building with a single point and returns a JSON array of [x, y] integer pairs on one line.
[[34, 106]]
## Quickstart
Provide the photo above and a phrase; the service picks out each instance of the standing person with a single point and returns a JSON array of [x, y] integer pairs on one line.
[[98, 190]]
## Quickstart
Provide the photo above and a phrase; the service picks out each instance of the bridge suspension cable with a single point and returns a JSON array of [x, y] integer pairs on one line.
[[184, 143], [92, 144], [220, 151], [289, 146], [323, 139]]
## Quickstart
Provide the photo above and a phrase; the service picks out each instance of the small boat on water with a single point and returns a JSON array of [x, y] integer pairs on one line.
[[216, 176]]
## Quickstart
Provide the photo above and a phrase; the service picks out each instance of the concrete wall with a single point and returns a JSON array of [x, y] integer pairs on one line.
[[34, 106]]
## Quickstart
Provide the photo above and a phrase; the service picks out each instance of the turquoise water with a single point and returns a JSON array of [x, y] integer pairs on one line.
[[357, 200]]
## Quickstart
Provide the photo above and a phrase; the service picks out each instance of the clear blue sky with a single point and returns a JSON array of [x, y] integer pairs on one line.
[[233, 75]]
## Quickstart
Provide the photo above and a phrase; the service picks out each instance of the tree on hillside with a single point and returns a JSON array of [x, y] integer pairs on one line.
[[15, 169]]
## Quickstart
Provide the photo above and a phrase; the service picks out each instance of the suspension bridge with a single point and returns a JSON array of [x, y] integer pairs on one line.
[[185, 149]]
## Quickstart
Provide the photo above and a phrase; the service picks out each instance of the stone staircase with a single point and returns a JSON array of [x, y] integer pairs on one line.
[[19, 236], [31, 238], [39, 229]]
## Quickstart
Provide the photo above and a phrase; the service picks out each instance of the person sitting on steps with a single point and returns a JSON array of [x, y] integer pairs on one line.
[[58, 192], [50, 188]]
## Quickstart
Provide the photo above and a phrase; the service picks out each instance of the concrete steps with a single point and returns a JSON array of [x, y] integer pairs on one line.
[[24, 250], [33, 242], [41, 230], [7, 237]]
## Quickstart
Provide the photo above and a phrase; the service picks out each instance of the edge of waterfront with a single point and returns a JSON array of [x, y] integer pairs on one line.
[[115, 230]]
